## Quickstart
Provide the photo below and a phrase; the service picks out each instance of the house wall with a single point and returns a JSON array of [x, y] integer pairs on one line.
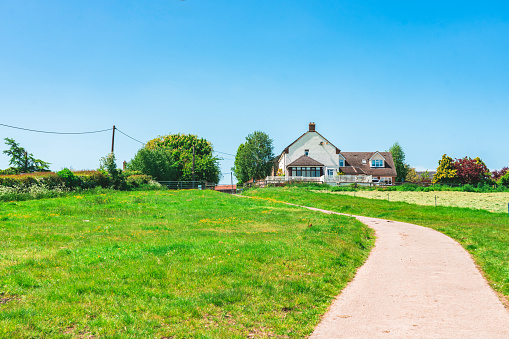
[[326, 153]]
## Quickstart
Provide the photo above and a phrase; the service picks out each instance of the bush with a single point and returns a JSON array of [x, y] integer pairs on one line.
[[138, 180], [9, 171], [47, 179], [504, 180], [70, 180], [92, 179]]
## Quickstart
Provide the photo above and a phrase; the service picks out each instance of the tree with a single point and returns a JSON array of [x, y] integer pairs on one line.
[[21, 160], [498, 174], [180, 148], [157, 163], [399, 161], [411, 175], [109, 164], [446, 172], [504, 180], [471, 171], [425, 176], [254, 158]]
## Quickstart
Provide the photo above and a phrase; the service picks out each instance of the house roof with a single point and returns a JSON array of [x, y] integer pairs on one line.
[[225, 187], [286, 150], [304, 160], [354, 165]]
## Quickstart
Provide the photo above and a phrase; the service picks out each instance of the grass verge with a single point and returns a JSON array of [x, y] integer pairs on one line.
[[485, 235], [167, 264]]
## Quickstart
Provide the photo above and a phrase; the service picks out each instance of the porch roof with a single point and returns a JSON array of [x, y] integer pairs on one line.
[[304, 160]]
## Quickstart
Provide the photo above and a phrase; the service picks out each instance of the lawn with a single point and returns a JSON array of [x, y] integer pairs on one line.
[[170, 264], [484, 234], [493, 202]]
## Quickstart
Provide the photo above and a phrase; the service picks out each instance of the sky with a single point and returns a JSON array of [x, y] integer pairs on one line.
[[431, 75]]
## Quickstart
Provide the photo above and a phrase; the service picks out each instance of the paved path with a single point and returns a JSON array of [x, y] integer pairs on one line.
[[416, 283]]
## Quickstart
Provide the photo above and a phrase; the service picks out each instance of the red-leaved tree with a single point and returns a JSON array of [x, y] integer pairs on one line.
[[498, 174], [471, 171]]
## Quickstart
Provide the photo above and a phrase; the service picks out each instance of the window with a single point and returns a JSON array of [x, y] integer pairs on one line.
[[341, 163], [313, 172], [386, 181], [330, 172], [306, 152], [377, 163]]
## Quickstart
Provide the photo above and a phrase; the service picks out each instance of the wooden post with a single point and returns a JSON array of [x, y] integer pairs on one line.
[[193, 166], [113, 139]]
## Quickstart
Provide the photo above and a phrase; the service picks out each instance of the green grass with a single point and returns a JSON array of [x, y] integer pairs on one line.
[[176, 264], [485, 235]]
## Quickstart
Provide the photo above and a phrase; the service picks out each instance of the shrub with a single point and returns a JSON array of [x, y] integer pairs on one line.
[[48, 179], [504, 180], [138, 180], [70, 180], [9, 171], [468, 188], [92, 179]]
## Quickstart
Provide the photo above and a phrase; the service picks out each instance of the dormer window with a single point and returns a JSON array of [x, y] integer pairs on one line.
[[306, 152], [377, 163], [341, 163], [364, 161]]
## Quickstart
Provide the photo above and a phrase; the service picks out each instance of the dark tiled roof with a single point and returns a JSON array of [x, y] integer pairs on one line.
[[353, 163], [304, 160]]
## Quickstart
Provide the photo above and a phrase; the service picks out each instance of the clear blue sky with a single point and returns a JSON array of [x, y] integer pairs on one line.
[[432, 75]]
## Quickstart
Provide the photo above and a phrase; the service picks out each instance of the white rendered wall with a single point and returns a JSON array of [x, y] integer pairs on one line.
[[325, 153]]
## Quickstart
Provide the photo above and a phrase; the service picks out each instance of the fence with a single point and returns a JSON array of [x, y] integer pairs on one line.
[[187, 185]]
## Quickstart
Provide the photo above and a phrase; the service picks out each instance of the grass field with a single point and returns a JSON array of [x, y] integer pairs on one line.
[[484, 234], [167, 264], [493, 202]]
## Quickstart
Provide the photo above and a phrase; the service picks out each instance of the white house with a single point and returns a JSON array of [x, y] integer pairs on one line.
[[312, 157]]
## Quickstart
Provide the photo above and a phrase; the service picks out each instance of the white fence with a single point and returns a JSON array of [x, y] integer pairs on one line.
[[336, 179]]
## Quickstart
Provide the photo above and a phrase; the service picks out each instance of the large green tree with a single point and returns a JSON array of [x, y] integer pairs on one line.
[[399, 161], [157, 163], [180, 149], [22, 161], [254, 158]]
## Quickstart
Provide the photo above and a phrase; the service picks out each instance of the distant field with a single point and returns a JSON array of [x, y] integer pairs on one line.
[[171, 264], [493, 202]]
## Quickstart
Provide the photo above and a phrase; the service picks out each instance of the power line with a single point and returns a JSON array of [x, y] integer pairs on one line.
[[130, 136], [224, 153], [51, 132]]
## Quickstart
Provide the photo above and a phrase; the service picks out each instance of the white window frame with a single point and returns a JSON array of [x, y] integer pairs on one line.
[[377, 163], [330, 172], [341, 163]]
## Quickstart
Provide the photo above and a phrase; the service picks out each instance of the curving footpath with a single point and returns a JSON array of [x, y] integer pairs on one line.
[[416, 283]]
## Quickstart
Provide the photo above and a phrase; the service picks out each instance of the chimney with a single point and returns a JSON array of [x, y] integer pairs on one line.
[[312, 127]]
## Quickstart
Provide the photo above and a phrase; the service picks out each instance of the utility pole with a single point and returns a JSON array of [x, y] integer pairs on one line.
[[231, 178], [113, 139], [193, 164]]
